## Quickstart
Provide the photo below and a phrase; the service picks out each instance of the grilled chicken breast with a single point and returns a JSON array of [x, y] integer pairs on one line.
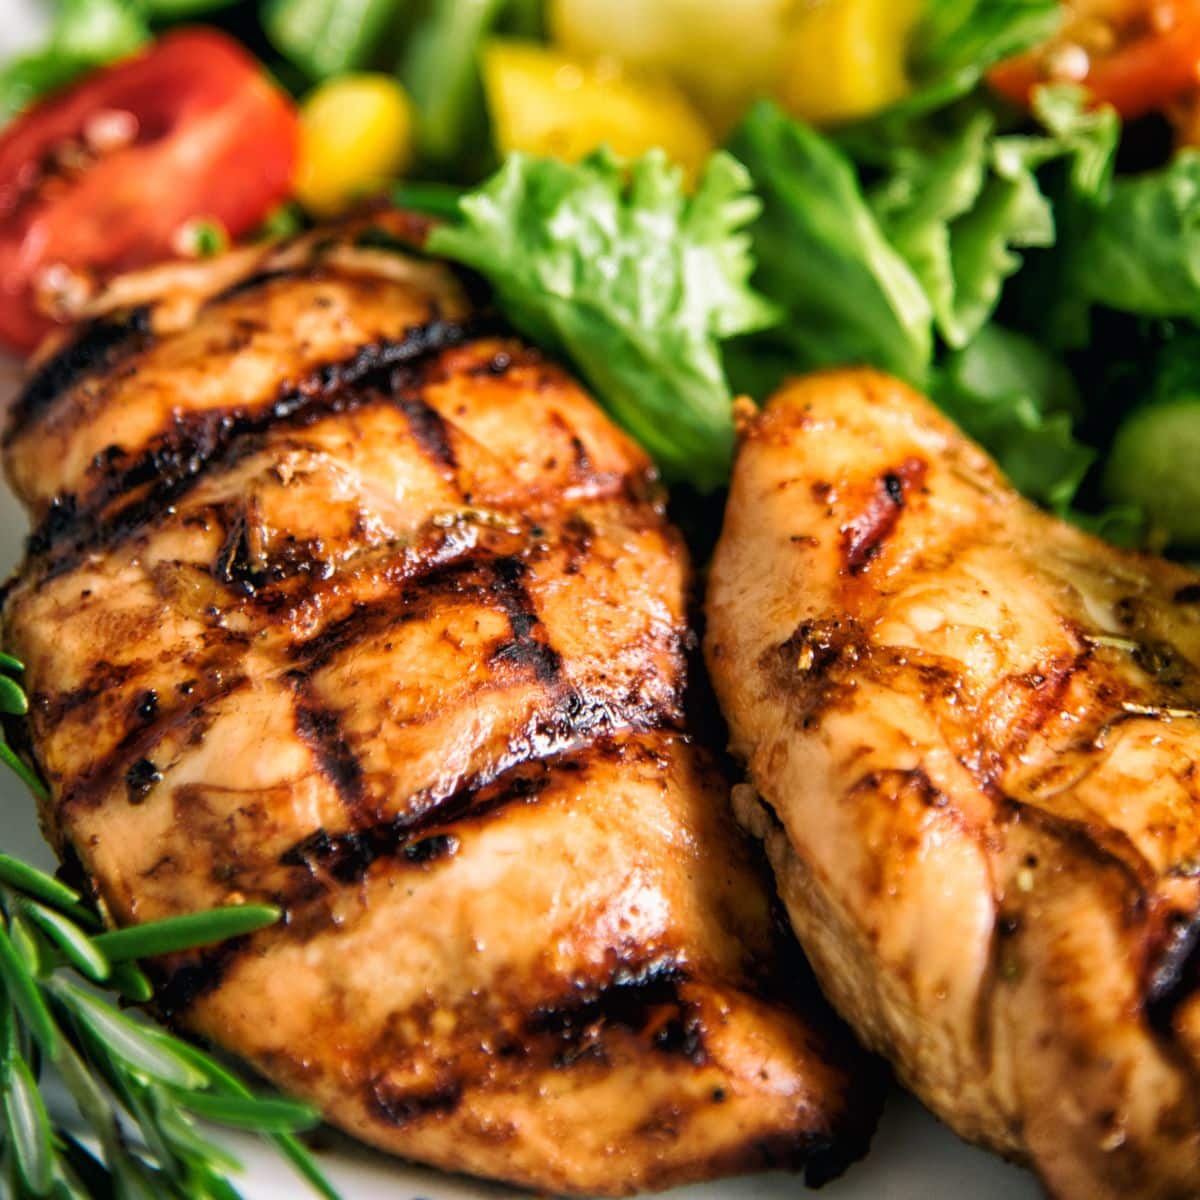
[[338, 599], [975, 731]]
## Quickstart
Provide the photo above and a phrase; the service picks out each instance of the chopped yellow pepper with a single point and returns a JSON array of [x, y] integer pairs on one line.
[[846, 58], [723, 53], [356, 133], [549, 103]]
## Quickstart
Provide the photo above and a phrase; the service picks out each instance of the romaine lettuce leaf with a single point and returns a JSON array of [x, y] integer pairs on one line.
[[1079, 183], [1016, 399], [847, 293], [634, 281], [959, 202], [1141, 252], [958, 40], [327, 37]]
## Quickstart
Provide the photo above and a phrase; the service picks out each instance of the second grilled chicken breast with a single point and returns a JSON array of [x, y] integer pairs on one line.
[[338, 601], [976, 731]]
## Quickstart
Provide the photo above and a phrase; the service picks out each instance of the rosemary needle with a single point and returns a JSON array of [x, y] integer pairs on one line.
[[139, 1089]]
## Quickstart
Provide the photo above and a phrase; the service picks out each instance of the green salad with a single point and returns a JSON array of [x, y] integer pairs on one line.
[[1002, 259]]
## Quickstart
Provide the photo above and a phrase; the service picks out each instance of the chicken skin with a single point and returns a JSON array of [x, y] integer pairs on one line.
[[972, 733], [338, 598]]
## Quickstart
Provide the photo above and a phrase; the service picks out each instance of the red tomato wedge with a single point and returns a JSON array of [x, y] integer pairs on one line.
[[102, 177], [1142, 74]]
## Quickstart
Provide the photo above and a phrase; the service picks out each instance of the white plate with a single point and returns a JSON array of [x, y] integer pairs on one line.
[[912, 1158]]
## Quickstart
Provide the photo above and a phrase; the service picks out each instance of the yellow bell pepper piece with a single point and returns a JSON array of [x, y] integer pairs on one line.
[[548, 103], [723, 53], [846, 58], [356, 134]]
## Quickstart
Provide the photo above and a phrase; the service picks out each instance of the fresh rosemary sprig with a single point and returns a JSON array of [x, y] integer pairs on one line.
[[14, 703], [138, 1089]]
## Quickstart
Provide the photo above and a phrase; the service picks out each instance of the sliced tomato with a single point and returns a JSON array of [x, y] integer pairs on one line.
[[1141, 74], [104, 176]]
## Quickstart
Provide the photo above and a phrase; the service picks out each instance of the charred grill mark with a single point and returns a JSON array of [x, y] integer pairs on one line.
[[400, 1106], [526, 649], [98, 346], [432, 848], [1102, 846], [106, 677], [261, 279], [347, 857], [1045, 690], [477, 577], [240, 568], [809, 664], [320, 729], [434, 580], [1173, 972], [645, 1002], [864, 536], [92, 785], [140, 780], [429, 431], [177, 988], [202, 441]]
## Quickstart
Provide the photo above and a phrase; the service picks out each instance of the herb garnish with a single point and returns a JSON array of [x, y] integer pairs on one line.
[[138, 1089]]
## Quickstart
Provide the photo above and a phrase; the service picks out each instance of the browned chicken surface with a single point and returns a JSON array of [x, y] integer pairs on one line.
[[975, 731], [340, 600]]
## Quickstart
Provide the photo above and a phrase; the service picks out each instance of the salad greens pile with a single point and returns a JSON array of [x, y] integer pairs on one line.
[[969, 248], [634, 281]]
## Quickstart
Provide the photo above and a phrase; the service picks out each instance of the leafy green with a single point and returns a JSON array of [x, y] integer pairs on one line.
[[327, 37], [14, 703], [1079, 183], [440, 68], [847, 294], [173, 10], [1141, 251], [29, 1130], [892, 243], [85, 34], [634, 281], [1009, 393], [436, 199], [958, 202], [119, 1070], [957, 40], [139, 1090], [1152, 460]]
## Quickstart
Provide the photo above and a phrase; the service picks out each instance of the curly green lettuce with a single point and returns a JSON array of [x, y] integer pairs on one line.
[[635, 282]]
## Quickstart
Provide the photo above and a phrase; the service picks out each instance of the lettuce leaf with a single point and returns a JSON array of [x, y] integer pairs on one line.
[[958, 40], [892, 246], [847, 293], [1141, 252], [959, 202], [1049, 296], [633, 281], [1020, 402], [328, 37]]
